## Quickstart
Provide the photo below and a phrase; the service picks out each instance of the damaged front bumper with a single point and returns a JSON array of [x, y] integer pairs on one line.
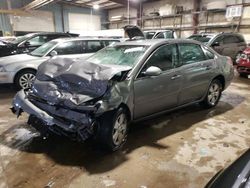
[[76, 124]]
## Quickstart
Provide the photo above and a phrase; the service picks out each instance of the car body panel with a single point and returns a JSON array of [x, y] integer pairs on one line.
[[230, 49], [104, 88], [243, 64], [235, 175], [20, 47]]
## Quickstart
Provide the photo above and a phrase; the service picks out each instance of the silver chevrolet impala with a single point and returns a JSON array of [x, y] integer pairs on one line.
[[122, 83]]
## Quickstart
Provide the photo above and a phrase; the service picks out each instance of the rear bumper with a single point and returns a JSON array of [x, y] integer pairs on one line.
[[64, 125], [242, 69]]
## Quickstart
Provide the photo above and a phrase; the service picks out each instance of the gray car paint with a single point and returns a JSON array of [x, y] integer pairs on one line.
[[143, 97]]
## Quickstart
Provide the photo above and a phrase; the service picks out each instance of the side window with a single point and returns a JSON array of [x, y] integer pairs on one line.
[[208, 53], [230, 39], [191, 53], [218, 39], [110, 42], [94, 46], [37, 41], [241, 38], [160, 36], [165, 58], [72, 47]]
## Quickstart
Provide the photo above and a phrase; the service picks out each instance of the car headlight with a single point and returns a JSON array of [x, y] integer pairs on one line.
[[2, 69]]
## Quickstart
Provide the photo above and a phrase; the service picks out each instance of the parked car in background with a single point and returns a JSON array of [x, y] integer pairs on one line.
[[228, 44], [160, 34], [243, 63], [237, 175], [125, 82], [21, 69], [28, 43]]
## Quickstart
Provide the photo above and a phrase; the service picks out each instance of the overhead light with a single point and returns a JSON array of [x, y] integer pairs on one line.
[[96, 6]]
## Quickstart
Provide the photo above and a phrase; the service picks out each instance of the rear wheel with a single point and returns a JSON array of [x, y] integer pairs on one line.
[[25, 79], [112, 130], [213, 95]]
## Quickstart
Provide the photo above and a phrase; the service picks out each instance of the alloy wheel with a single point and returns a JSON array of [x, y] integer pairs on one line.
[[120, 128], [213, 93], [26, 80]]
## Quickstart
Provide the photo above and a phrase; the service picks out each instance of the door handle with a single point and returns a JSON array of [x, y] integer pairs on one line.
[[175, 77]]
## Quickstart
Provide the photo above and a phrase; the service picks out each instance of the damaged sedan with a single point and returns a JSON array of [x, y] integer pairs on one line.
[[98, 97]]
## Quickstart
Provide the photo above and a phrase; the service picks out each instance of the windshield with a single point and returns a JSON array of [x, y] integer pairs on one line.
[[201, 38], [127, 55], [44, 49], [21, 38], [149, 35]]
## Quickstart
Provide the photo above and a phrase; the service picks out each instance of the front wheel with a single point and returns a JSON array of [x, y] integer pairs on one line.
[[213, 95], [112, 129], [25, 79]]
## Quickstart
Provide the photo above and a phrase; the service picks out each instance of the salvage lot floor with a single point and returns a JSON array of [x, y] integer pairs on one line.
[[181, 149]]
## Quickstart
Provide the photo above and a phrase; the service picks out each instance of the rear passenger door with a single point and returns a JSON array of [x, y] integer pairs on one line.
[[230, 46], [196, 69]]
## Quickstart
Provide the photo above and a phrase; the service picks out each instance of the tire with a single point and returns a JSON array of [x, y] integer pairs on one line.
[[244, 75], [112, 130], [24, 79], [213, 94]]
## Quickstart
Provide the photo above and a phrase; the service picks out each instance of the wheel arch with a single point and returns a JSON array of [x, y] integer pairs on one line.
[[127, 110], [221, 78], [23, 70]]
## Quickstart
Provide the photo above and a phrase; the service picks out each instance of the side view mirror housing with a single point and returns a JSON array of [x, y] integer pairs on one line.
[[53, 53], [27, 43], [153, 71]]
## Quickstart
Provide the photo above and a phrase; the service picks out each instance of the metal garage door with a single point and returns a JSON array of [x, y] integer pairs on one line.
[[35, 21], [84, 23]]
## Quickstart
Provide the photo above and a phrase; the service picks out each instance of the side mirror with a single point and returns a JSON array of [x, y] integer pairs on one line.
[[215, 44], [27, 43], [153, 71], [53, 53]]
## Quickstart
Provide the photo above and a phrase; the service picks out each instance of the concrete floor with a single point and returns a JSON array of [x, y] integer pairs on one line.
[[181, 149]]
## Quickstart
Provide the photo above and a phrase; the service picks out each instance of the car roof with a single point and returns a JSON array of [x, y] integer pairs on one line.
[[68, 39], [158, 30], [152, 42]]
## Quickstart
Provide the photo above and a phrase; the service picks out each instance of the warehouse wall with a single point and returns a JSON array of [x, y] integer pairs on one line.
[[211, 21], [60, 14]]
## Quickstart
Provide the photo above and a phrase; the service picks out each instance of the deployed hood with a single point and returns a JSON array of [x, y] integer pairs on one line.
[[17, 59], [133, 31], [73, 81]]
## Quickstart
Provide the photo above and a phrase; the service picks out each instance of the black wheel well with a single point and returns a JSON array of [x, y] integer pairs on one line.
[[125, 107], [221, 79], [23, 70]]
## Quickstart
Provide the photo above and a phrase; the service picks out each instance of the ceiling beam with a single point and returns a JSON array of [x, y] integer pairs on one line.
[[13, 11], [125, 3]]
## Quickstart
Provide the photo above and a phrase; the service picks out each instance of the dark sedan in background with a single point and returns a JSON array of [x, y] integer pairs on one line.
[[28, 43]]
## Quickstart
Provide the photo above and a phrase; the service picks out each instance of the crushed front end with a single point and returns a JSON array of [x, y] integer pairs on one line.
[[68, 97], [78, 124]]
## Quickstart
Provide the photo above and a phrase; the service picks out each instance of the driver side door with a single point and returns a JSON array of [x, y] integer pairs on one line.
[[154, 94]]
